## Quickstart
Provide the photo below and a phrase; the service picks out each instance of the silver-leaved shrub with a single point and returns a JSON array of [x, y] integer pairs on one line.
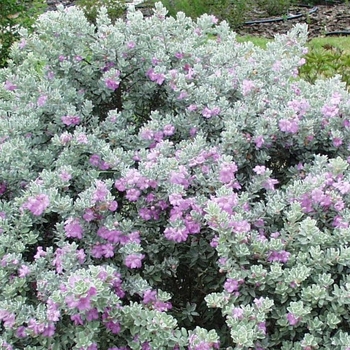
[[163, 186]]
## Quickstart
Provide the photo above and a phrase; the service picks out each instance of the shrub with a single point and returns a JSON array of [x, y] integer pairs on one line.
[[166, 187], [326, 62], [13, 14]]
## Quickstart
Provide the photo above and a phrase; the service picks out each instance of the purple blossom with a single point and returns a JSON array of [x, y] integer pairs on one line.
[[330, 111], [81, 138], [162, 305], [112, 84], [65, 138], [95, 160], [73, 228], [259, 169], [41, 100], [232, 285], [22, 44], [149, 296], [37, 204], [176, 234], [23, 271], [76, 318], [21, 332], [227, 172], [278, 256], [262, 327], [101, 191], [208, 113], [134, 261], [192, 108], [65, 176], [9, 86], [237, 313], [157, 77], [259, 141], [114, 327], [182, 95], [39, 253], [289, 125], [337, 141], [247, 86], [3, 187], [92, 314], [89, 215], [180, 177], [292, 319], [70, 120], [132, 194], [299, 106], [269, 184]]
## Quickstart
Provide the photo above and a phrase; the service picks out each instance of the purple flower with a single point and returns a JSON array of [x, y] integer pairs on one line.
[[134, 261], [232, 285], [9, 86], [39, 253], [132, 194], [162, 306], [101, 191], [73, 228], [329, 111], [21, 332], [237, 313], [157, 77], [227, 172], [259, 169], [23, 271], [22, 44], [270, 184], [77, 319], [114, 327], [176, 234], [65, 176], [208, 113], [292, 320], [149, 296], [337, 141], [37, 204], [81, 138], [289, 125], [65, 138], [247, 87], [259, 141], [70, 120], [278, 256], [41, 100], [182, 95], [111, 84], [3, 187]]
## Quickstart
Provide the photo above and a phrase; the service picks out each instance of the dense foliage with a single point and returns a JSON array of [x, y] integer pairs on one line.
[[166, 187], [14, 14]]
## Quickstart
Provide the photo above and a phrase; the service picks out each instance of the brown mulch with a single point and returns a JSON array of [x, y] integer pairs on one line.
[[325, 19]]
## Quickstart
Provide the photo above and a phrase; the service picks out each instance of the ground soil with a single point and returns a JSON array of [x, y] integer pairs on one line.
[[324, 20]]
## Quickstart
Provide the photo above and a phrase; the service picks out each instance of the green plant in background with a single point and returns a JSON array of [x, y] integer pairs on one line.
[[234, 12], [115, 8], [275, 7], [326, 62], [14, 14], [192, 8]]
